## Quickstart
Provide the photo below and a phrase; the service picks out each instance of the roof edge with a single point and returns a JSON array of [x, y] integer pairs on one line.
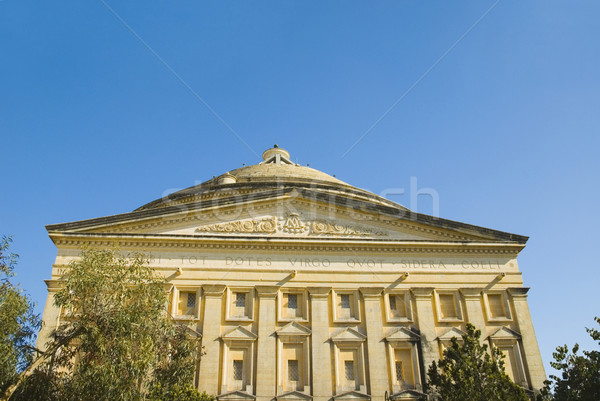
[[394, 212]]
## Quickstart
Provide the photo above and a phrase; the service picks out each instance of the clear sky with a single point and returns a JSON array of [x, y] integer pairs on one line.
[[105, 106]]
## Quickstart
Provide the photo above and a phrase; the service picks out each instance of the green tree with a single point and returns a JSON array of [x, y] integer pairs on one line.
[[116, 342], [468, 371], [579, 373], [18, 323]]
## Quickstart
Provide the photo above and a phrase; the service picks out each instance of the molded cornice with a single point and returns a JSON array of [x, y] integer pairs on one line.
[[149, 241], [292, 192]]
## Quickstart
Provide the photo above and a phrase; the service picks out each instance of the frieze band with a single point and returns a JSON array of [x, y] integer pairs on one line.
[[291, 224]]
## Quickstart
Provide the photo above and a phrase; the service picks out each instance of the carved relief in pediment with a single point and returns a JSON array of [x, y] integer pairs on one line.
[[267, 226], [291, 224]]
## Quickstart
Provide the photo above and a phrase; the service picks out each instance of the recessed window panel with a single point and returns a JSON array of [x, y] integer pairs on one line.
[[448, 306], [496, 305], [398, 306]]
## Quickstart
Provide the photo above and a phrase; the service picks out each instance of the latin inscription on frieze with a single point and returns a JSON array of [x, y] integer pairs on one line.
[[316, 263]]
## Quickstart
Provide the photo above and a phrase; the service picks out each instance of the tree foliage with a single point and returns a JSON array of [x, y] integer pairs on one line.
[[579, 373], [468, 371], [18, 323], [120, 343]]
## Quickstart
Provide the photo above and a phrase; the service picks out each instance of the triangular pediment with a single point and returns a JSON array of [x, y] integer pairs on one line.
[[505, 333], [294, 396], [408, 395], [239, 334], [347, 334], [402, 334], [236, 395], [191, 331], [294, 329], [452, 332], [288, 214], [352, 395]]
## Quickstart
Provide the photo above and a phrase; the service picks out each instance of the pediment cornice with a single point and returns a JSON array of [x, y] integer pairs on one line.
[[348, 334], [372, 218], [352, 395], [236, 395], [402, 334], [239, 334], [450, 333], [505, 333], [408, 395], [146, 242], [294, 329], [294, 395]]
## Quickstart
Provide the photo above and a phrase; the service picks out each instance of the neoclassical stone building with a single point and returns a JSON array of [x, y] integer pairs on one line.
[[304, 287]]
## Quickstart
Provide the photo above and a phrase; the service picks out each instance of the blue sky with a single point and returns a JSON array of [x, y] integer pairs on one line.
[[496, 108]]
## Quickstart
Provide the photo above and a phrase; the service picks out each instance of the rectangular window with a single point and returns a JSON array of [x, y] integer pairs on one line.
[[510, 363], [448, 306], [240, 300], [191, 300], [292, 301], [403, 366], [496, 304], [292, 306], [292, 356], [345, 306], [293, 374], [398, 306], [187, 303], [238, 370], [349, 370], [393, 306], [345, 301], [399, 372], [239, 304]]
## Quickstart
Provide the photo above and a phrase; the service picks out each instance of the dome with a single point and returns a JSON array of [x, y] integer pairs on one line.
[[275, 171], [282, 171]]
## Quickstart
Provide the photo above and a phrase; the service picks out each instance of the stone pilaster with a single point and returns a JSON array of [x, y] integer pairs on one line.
[[322, 386], [474, 310], [426, 322], [533, 358], [211, 332], [266, 378], [51, 316], [377, 361]]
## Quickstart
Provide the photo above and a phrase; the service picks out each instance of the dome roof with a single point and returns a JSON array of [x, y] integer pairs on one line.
[[276, 170]]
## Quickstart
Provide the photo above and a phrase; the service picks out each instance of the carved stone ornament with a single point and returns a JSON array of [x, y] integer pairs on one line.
[[320, 227], [266, 225], [294, 225], [291, 224]]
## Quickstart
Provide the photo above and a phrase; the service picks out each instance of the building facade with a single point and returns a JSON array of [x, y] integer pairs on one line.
[[306, 288]]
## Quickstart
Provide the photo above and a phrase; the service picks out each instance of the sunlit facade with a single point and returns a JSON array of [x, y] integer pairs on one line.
[[304, 287]]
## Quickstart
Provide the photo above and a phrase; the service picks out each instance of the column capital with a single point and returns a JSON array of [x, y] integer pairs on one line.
[[471, 293], [54, 285], [213, 290], [422, 292], [371, 292], [518, 292], [266, 291], [319, 292]]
